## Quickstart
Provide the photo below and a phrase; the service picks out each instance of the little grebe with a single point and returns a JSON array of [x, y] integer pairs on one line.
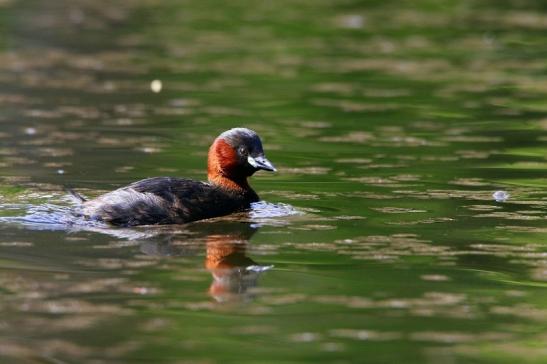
[[234, 155]]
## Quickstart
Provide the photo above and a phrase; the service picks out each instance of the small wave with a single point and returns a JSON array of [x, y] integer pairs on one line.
[[264, 210], [267, 213], [258, 268], [47, 217]]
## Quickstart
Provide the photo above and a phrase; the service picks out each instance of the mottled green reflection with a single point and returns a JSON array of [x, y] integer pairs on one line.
[[391, 123]]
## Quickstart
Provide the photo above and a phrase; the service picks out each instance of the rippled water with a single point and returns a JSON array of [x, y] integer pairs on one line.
[[407, 221]]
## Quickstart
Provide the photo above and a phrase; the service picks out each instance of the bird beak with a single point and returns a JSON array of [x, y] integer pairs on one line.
[[260, 162]]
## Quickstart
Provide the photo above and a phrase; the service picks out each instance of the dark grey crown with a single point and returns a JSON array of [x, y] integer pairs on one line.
[[243, 136]]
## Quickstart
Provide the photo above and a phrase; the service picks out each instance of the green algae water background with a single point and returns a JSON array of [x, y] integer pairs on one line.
[[392, 123]]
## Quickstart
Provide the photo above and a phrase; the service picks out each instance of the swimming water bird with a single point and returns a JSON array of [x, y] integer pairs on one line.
[[234, 156]]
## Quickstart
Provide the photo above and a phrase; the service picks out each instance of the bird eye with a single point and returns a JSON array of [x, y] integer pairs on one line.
[[242, 150]]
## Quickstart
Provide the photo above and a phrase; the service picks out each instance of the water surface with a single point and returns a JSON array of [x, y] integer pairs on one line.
[[391, 124]]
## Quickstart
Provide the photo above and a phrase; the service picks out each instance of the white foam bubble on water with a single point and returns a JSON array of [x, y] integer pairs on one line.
[[500, 196]]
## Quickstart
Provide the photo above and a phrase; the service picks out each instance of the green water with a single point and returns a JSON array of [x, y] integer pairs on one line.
[[391, 123]]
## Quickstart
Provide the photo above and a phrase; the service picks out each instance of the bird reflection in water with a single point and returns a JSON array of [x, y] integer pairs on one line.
[[225, 241], [234, 273]]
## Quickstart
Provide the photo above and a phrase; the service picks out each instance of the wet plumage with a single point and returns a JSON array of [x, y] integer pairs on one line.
[[235, 155]]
